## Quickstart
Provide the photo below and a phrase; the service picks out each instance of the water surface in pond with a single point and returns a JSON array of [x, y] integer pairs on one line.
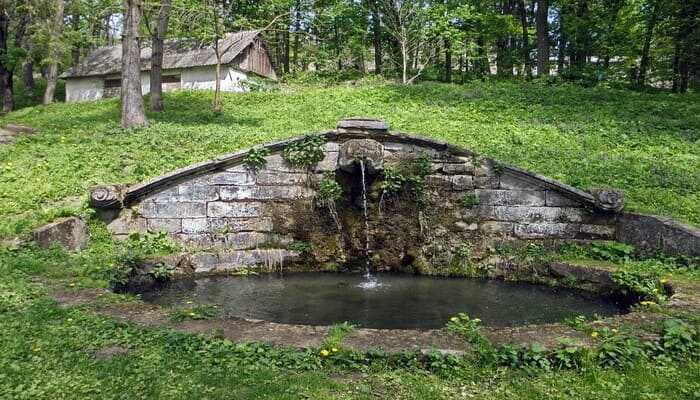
[[398, 301]]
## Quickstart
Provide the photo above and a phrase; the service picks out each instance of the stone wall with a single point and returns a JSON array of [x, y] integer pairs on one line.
[[228, 216], [654, 234]]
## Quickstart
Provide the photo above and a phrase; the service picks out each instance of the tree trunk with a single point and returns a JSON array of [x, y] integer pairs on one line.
[[75, 51], [561, 50], [5, 72], [217, 86], [404, 63], [377, 38], [448, 61], [28, 75], [297, 28], [525, 40], [648, 34], [286, 50], [133, 112], [542, 37], [156, 81], [504, 60], [54, 53], [483, 68]]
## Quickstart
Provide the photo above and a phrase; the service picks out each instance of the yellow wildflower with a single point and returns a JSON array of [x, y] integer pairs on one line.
[[594, 335], [334, 350], [454, 319], [324, 353]]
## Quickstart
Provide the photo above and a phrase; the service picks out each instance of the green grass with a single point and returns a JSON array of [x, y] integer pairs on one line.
[[646, 144]]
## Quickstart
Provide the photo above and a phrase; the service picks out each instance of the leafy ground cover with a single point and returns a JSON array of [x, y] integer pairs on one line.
[[644, 143]]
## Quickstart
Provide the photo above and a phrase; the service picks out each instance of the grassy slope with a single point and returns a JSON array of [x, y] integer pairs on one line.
[[584, 137], [646, 144]]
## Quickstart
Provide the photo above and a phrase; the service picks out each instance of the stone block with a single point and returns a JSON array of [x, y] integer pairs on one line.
[[511, 197], [599, 231], [511, 182], [265, 177], [496, 228], [486, 182], [554, 199], [244, 178], [534, 214], [543, 230], [276, 162], [182, 209], [185, 193], [331, 146], [462, 182], [233, 193], [126, 224], [457, 169], [71, 233], [329, 162], [261, 224], [195, 225], [219, 209], [169, 225], [204, 262], [465, 226], [439, 181]]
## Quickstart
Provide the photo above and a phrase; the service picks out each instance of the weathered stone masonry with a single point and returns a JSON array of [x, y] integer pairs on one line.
[[228, 216]]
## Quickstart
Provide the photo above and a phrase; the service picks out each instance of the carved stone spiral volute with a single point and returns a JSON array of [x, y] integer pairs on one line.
[[609, 200], [106, 197]]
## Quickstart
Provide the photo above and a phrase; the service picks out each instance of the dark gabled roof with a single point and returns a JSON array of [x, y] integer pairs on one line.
[[177, 53]]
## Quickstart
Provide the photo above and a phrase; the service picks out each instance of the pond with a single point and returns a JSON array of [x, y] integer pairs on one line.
[[392, 302]]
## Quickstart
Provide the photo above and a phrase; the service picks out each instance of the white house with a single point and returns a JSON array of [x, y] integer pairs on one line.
[[187, 64]]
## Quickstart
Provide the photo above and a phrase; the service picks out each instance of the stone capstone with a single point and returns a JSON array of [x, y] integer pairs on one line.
[[70, 233], [369, 151]]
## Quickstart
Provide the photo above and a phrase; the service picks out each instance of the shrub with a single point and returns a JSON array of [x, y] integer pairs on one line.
[[255, 159], [306, 152]]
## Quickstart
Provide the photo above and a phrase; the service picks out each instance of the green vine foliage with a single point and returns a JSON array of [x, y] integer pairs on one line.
[[407, 176], [328, 189], [255, 159], [306, 152]]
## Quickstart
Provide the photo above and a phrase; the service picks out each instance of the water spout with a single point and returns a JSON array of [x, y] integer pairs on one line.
[[370, 280]]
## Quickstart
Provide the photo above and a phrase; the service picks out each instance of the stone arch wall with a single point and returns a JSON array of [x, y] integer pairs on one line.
[[228, 216]]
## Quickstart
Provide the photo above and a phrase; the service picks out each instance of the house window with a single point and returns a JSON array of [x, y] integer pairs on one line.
[[170, 79], [113, 83]]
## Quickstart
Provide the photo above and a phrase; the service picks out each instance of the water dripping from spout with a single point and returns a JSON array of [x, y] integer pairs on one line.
[[370, 280]]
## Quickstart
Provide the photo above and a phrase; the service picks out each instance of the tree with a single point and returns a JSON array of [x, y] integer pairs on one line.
[[404, 21], [55, 53], [133, 112], [542, 37], [158, 33], [648, 33]]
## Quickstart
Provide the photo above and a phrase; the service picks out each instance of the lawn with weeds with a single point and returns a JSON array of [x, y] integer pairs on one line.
[[644, 143]]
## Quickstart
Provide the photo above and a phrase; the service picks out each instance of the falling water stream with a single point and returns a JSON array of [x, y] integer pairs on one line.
[[370, 281]]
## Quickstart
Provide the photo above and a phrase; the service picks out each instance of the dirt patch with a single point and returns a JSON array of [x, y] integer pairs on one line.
[[107, 353]]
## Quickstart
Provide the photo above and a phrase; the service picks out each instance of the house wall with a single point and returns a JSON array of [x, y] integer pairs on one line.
[[205, 78], [83, 89], [88, 89]]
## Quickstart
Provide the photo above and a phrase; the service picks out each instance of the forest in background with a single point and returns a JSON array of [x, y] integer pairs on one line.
[[640, 43]]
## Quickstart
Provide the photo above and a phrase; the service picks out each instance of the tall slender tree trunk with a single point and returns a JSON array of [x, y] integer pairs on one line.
[[5, 71], [504, 59], [54, 53], [525, 40], [561, 47], [377, 38], [75, 51], [286, 50], [156, 81], [28, 75], [542, 37], [133, 111], [297, 28], [648, 34], [448, 61]]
